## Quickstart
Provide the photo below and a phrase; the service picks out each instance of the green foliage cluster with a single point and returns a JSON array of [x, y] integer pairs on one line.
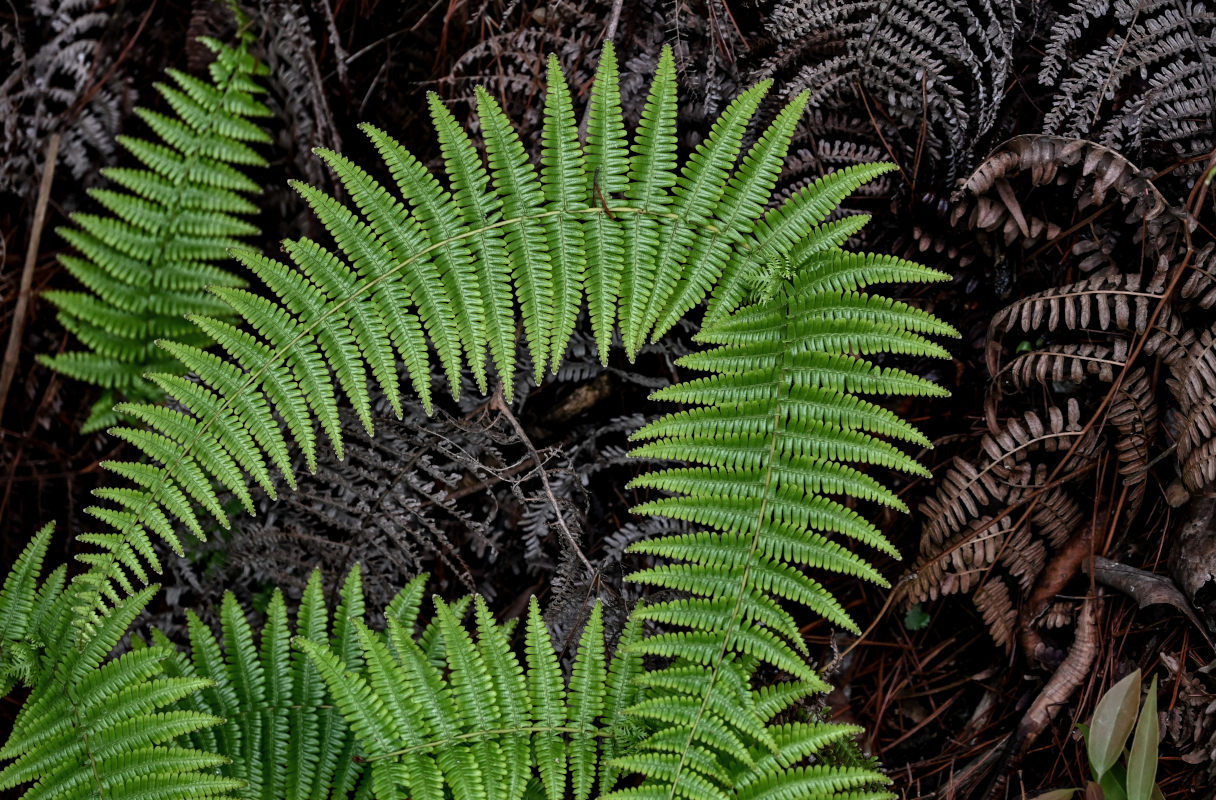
[[1120, 773], [153, 257], [779, 440]]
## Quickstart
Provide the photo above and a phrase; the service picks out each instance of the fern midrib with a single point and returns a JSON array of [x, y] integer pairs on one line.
[[362, 289], [751, 558]]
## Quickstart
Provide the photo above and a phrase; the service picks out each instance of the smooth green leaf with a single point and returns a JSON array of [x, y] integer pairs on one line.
[[1112, 723], [1142, 760]]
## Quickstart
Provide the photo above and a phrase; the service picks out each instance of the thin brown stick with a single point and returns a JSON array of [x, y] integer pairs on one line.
[[13, 351], [499, 404], [614, 19]]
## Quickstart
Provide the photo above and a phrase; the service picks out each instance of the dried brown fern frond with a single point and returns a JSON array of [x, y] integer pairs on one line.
[[989, 527], [297, 88], [1139, 75], [1092, 182], [451, 496], [829, 141], [1194, 387], [1199, 287], [1058, 364], [1070, 344], [1109, 303]]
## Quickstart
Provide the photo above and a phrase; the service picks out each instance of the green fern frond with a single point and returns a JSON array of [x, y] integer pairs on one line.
[[697, 197], [25, 611], [652, 163], [278, 732], [518, 188], [448, 267], [444, 712], [772, 445], [564, 183], [783, 227], [607, 160], [152, 260], [93, 730]]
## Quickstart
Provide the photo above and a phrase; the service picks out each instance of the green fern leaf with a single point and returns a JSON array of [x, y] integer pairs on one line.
[[607, 167], [510, 688], [153, 259], [446, 290], [480, 209], [783, 227], [698, 195], [548, 704], [89, 730], [519, 189], [563, 181], [652, 165], [768, 464], [586, 703]]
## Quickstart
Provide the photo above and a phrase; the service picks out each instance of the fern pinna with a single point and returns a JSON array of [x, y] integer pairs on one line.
[[152, 259], [781, 434]]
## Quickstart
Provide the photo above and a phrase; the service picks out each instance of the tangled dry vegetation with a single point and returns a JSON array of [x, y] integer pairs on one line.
[[1055, 158]]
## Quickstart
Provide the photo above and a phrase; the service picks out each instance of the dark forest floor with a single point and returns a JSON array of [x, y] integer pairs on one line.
[[941, 685]]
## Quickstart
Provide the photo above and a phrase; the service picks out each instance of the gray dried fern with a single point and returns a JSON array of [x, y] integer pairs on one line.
[[57, 84], [1137, 75], [930, 76]]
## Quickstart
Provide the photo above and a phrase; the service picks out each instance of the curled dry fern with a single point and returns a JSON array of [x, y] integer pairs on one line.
[[153, 257], [779, 426], [55, 88], [1039, 483]]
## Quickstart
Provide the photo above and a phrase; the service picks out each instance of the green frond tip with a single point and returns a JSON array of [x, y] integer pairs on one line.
[[24, 606], [150, 258]]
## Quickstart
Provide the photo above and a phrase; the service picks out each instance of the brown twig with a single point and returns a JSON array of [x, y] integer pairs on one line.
[[13, 350], [614, 19], [499, 404]]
